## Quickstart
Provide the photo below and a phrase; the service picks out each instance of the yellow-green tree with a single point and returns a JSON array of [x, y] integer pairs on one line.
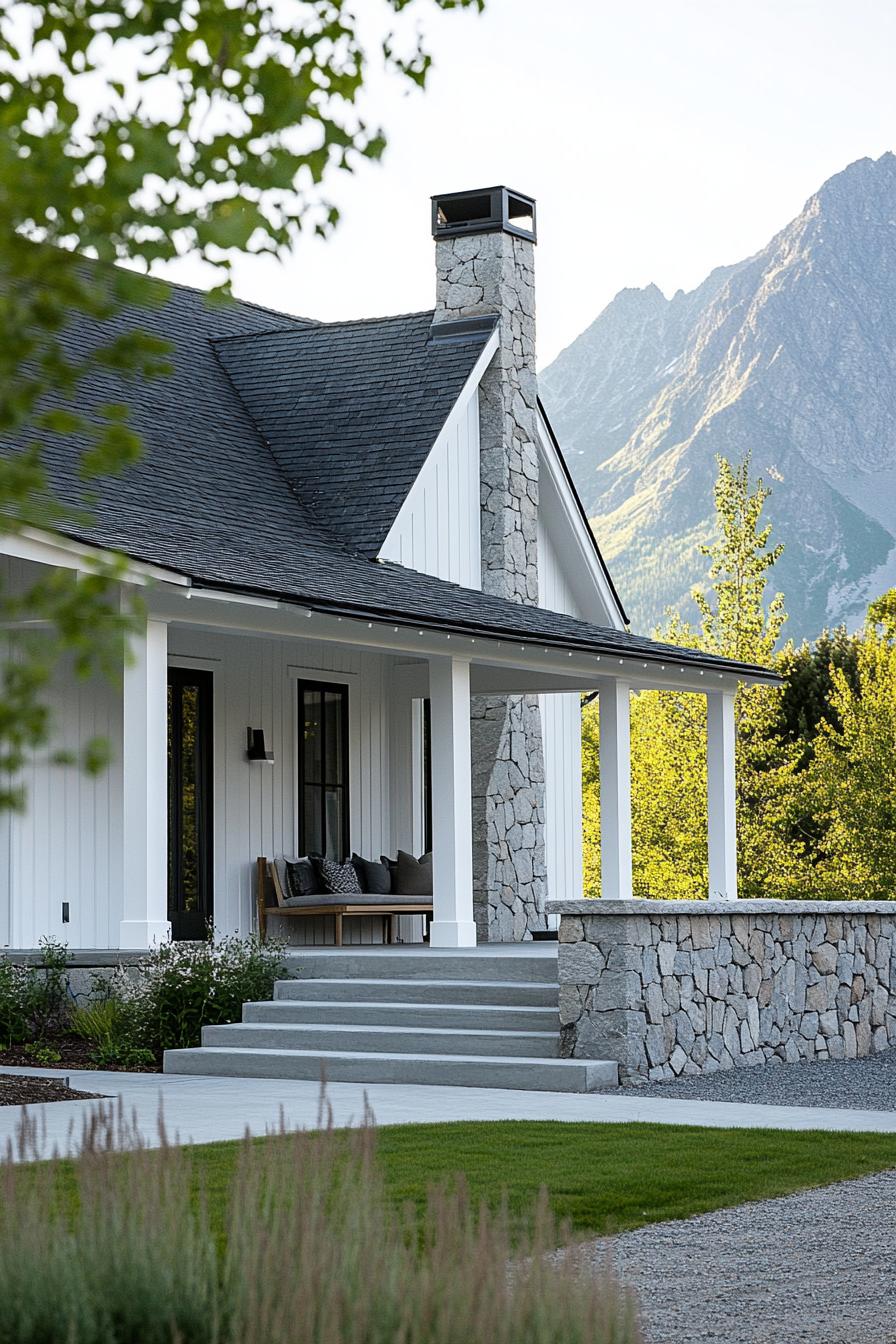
[[669, 729]]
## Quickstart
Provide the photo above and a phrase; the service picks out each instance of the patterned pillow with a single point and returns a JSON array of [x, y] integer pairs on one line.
[[338, 879]]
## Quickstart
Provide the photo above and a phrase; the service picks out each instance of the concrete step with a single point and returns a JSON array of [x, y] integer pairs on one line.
[[378, 963], [518, 994], [410, 1040], [532, 1075], [462, 1016]]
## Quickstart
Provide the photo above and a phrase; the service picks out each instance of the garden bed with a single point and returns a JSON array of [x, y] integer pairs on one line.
[[66, 1051], [16, 1090]]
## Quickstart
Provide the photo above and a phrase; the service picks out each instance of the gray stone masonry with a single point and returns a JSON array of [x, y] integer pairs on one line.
[[685, 987], [494, 273]]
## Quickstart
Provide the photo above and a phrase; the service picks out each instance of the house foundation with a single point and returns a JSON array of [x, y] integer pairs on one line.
[[690, 987]]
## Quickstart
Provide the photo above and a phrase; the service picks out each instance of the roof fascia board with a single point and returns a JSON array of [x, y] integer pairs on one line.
[[49, 548], [583, 670], [457, 410], [593, 562]]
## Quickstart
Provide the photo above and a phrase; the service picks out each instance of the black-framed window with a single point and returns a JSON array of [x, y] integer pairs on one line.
[[323, 791], [190, 782]]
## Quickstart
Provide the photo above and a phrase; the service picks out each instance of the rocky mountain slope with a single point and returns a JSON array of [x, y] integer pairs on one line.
[[789, 355]]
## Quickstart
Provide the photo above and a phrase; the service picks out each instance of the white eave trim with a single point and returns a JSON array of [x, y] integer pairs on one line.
[[458, 409], [578, 532], [50, 548]]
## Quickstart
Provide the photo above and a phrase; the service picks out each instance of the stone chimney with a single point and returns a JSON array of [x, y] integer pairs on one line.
[[485, 243]]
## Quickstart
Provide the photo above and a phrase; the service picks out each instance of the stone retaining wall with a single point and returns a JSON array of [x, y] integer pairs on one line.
[[668, 988]]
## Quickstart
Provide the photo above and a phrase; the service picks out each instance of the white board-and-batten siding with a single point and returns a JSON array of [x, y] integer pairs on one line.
[[436, 530], [67, 844], [256, 804], [561, 726]]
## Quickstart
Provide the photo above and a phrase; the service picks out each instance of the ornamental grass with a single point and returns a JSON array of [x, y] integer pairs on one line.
[[307, 1248]]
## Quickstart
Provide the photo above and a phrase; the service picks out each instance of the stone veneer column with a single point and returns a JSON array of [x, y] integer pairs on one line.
[[494, 273]]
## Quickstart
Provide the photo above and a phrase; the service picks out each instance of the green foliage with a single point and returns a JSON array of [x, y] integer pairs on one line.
[[97, 1021], [175, 991], [816, 800], [140, 134], [851, 781], [806, 700], [734, 620], [112, 1023], [183, 987], [44, 1056], [668, 729], [33, 999], [314, 1248]]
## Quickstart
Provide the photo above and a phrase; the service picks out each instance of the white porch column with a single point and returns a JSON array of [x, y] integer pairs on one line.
[[720, 796], [615, 791], [452, 813], [145, 791]]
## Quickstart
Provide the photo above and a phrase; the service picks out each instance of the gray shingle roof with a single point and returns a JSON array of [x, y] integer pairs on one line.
[[208, 498], [350, 411]]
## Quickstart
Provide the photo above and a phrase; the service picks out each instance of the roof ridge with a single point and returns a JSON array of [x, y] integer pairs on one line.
[[317, 327], [198, 289]]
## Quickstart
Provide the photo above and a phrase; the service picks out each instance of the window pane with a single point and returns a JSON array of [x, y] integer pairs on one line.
[[312, 838], [312, 745], [333, 745], [335, 824]]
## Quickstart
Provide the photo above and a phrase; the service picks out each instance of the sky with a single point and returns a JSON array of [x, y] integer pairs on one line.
[[660, 138]]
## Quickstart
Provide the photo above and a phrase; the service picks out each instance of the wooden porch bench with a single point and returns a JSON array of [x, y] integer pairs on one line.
[[339, 907]]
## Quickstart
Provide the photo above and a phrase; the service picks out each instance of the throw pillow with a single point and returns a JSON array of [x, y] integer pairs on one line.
[[412, 877], [338, 879], [374, 877], [301, 879]]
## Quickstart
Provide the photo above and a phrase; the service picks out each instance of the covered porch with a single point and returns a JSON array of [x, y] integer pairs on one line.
[[407, 777], [90, 861]]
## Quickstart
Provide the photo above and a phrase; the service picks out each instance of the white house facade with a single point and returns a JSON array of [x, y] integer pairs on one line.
[[373, 603]]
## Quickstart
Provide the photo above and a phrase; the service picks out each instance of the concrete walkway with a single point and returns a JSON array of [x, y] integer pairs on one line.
[[201, 1110]]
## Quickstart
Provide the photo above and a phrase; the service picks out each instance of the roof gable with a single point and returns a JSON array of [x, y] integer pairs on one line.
[[350, 411]]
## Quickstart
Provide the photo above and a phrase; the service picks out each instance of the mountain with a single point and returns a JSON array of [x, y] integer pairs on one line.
[[790, 356]]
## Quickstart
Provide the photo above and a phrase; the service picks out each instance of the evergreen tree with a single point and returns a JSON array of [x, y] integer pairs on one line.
[[851, 779]]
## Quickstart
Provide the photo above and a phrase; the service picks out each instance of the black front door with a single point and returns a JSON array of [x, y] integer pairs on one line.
[[190, 907]]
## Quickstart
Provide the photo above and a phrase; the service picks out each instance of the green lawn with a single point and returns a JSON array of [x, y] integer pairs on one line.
[[603, 1178]]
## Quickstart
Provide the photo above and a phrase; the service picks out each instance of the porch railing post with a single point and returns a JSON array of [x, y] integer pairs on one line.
[[452, 813], [145, 791], [721, 811], [615, 791]]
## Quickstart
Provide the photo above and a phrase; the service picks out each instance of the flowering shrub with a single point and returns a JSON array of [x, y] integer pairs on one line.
[[182, 987], [160, 1004], [33, 999]]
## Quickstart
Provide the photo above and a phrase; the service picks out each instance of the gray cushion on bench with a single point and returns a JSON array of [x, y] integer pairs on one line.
[[361, 898]]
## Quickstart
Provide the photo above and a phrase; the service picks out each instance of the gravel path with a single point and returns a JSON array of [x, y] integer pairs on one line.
[[856, 1084], [816, 1266]]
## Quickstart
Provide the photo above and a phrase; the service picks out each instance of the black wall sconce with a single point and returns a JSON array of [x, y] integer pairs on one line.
[[255, 748]]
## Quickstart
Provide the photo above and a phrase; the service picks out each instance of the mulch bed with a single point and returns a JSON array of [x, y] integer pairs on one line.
[[19, 1091], [76, 1053]]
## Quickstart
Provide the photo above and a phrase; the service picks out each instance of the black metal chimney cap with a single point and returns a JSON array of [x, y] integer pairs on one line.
[[457, 214]]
